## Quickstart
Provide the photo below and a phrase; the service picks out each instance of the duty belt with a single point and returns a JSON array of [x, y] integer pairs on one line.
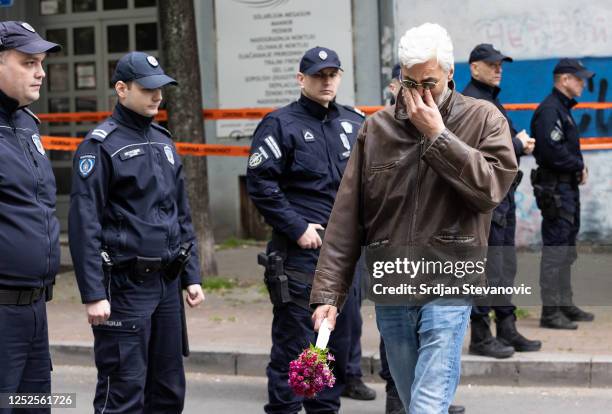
[[20, 296]]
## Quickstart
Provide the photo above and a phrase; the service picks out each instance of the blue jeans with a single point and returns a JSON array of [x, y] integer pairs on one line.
[[423, 345]]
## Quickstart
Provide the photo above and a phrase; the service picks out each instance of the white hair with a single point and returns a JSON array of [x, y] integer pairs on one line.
[[425, 42]]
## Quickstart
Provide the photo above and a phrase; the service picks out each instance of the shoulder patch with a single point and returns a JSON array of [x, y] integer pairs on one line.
[[27, 111], [355, 110], [162, 129], [87, 163], [102, 131]]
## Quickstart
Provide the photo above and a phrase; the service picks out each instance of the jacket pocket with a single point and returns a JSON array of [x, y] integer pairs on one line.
[[385, 166], [308, 165], [453, 239]]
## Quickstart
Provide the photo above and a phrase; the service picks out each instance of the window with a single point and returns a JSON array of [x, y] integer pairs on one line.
[[59, 36], [117, 38], [49, 7], [112, 64], [145, 3], [86, 104], [84, 40], [85, 75], [58, 77], [115, 4], [83, 6], [146, 36], [59, 105]]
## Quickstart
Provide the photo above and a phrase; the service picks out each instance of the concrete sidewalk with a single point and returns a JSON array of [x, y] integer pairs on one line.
[[230, 334]]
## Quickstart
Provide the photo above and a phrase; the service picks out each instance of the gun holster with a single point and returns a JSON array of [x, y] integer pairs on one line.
[[547, 197], [275, 278], [176, 267]]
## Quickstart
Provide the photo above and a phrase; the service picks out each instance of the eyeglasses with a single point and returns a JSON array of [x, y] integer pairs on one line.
[[410, 84]]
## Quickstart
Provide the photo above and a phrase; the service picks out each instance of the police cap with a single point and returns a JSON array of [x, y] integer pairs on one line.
[[574, 67], [319, 58], [487, 53], [22, 37], [143, 69]]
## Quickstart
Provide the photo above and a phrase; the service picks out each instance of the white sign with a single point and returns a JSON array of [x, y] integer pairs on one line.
[[260, 44], [523, 29]]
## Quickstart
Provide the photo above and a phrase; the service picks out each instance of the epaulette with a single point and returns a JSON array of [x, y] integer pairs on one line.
[[102, 131], [162, 129], [355, 110], [27, 111]]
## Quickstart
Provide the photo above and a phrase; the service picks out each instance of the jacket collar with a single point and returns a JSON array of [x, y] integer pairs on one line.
[[8, 105], [131, 119], [491, 91], [565, 101], [317, 110], [400, 106]]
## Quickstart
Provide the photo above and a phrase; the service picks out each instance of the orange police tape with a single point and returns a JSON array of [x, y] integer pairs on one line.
[[202, 150], [185, 148], [258, 113]]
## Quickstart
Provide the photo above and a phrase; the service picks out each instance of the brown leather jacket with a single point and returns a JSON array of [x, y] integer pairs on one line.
[[401, 189]]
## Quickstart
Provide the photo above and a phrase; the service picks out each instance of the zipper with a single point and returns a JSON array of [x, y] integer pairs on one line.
[[416, 195], [37, 178], [160, 173]]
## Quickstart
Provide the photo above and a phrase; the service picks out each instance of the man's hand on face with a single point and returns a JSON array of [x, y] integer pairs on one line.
[[98, 312], [424, 113], [527, 141], [310, 239]]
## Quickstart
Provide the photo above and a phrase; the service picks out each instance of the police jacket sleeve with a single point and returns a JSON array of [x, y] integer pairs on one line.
[[482, 174], [192, 274], [551, 142], [343, 236], [87, 200], [264, 173]]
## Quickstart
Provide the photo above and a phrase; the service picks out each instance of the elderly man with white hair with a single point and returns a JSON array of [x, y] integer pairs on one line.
[[427, 171]]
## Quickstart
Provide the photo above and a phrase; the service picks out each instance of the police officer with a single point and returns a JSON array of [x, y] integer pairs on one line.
[[560, 170], [486, 70], [29, 230], [298, 156], [132, 243]]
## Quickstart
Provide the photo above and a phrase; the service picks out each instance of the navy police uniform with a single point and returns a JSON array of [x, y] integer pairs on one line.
[[298, 156], [129, 216], [29, 235], [501, 264], [555, 182]]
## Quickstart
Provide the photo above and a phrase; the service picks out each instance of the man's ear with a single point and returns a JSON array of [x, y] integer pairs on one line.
[[451, 72], [300, 79], [121, 89]]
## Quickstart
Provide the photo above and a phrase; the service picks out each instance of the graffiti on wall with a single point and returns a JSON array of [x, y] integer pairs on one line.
[[536, 35]]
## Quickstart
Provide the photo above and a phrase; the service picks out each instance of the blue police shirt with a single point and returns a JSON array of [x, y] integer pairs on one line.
[[298, 155], [129, 199], [29, 230], [556, 134]]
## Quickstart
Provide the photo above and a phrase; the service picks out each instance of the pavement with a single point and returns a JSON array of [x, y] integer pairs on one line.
[[232, 394], [230, 335]]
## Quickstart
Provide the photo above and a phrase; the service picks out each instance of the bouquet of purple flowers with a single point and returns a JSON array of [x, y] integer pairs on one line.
[[310, 373]]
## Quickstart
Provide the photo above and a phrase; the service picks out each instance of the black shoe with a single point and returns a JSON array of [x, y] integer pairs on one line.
[[456, 409], [491, 347], [357, 390], [485, 344], [574, 313], [507, 334], [553, 318], [393, 404]]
